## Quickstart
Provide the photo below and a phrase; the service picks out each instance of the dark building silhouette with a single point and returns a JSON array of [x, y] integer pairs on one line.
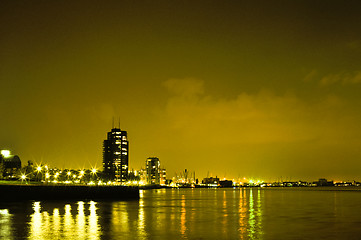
[[226, 183], [116, 155], [322, 182], [211, 180], [9, 164], [153, 170]]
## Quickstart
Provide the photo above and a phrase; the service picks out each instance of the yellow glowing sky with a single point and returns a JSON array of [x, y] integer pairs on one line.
[[265, 89]]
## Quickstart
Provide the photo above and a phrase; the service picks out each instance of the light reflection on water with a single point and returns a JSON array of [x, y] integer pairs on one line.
[[5, 223], [141, 218], [191, 214], [183, 216], [66, 224]]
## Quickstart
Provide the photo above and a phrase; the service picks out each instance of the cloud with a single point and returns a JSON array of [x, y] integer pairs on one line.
[[311, 76], [341, 78], [185, 88], [261, 130], [249, 118], [354, 45]]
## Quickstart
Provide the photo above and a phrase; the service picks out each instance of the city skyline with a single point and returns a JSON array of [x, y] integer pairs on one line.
[[234, 89]]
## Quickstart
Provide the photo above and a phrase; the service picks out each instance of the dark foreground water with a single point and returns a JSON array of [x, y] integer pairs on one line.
[[300, 213]]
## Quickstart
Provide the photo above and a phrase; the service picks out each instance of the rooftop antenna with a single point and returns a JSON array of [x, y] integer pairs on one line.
[[119, 123]]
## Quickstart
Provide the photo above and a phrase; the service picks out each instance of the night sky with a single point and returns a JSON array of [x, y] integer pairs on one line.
[[256, 89]]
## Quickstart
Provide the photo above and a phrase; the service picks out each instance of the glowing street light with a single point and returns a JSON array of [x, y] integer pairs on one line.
[[23, 177], [94, 171], [38, 169], [5, 153]]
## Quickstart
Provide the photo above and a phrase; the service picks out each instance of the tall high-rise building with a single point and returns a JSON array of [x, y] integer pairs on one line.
[[153, 170], [116, 155]]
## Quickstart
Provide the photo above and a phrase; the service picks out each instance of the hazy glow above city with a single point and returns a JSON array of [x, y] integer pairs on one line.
[[233, 89]]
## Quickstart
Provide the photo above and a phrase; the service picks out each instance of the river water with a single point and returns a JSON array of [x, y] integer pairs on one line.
[[248, 213]]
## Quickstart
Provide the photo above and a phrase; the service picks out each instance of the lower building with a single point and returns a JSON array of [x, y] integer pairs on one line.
[[211, 180], [153, 170], [322, 182], [9, 164], [226, 183], [163, 176]]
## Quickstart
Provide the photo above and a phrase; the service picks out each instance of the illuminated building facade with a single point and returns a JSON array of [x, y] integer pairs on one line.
[[153, 170], [116, 155], [163, 176]]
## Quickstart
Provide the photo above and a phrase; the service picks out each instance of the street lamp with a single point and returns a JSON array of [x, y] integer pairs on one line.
[[47, 176], [5, 153], [38, 172], [23, 177]]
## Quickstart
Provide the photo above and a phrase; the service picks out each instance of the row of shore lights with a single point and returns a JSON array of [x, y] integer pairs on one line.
[[47, 175], [7, 153], [39, 169]]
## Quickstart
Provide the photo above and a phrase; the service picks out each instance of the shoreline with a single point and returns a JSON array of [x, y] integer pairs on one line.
[[20, 192]]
